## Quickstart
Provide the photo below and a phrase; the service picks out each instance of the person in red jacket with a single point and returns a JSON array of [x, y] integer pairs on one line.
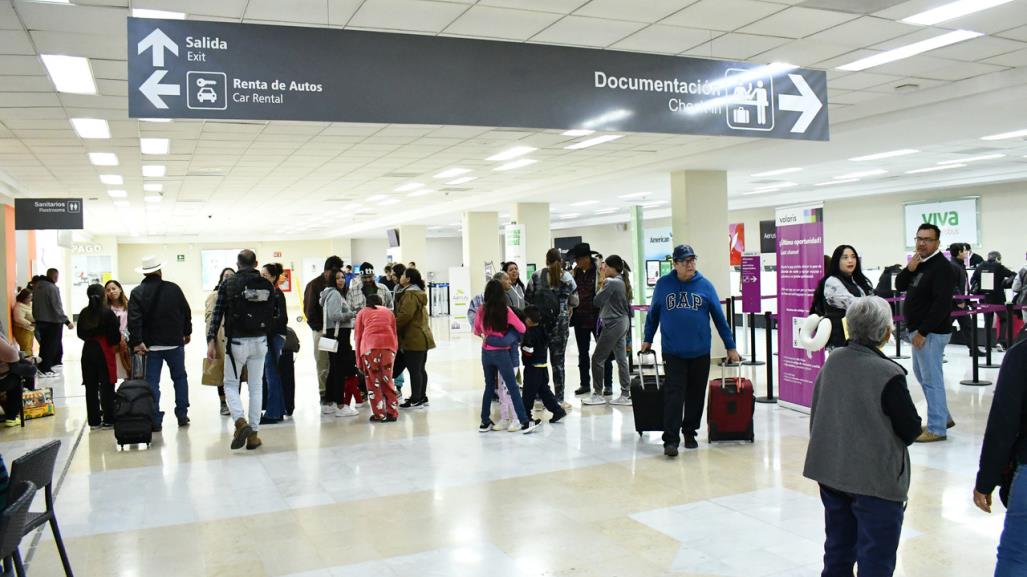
[[377, 343]]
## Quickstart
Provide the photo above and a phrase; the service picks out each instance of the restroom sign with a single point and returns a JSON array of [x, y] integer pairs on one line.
[[48, 214]]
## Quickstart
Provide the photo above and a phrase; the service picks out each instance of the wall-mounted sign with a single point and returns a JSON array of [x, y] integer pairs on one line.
[[48, 213], [736, 242], [768, 236], [659, 243], [78, 248], [180, 258], [956, 218], [196, 69]]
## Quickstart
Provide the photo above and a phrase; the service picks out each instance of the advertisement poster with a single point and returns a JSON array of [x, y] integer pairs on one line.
[[659, 243], [736, 242], [800, 265], [768, 236], [286, 281], [752, 269], [956, 218], [514, 235], [459, 298]]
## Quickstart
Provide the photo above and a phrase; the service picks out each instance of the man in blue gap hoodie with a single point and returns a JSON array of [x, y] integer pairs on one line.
[[682, 305]]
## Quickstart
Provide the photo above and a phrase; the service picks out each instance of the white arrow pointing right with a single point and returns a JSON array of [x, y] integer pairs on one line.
[[157, 41], [806, 102], [152, 89]]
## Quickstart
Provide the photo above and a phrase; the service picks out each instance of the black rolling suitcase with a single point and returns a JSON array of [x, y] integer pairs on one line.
[[647, 396], [133, 408]]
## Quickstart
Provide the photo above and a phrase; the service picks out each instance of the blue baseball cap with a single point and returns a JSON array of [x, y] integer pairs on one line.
[[683, 251]]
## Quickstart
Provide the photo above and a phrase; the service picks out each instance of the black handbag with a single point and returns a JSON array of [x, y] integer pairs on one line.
[[292, 342]]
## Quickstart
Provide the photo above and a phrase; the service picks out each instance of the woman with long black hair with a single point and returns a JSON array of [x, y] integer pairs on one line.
[[614, 304], [341, 384], [415, 336], [275, 408], [100, 328], [555, 307], [216, 375], [840, 287]]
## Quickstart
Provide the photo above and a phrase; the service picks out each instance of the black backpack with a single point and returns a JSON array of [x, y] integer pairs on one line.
[[546, 299], [250, 305]]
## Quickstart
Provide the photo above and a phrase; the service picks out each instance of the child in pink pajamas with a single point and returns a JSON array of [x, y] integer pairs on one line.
[[376, 340]]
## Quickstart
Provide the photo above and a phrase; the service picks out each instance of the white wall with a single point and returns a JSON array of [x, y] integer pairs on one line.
[[442, 253]]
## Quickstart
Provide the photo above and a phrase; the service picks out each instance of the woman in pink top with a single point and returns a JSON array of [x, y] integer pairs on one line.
[[375, 334], [118, 303], [494, 319]]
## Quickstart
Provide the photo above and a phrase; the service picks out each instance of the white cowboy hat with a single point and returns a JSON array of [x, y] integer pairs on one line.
[[150, 264]]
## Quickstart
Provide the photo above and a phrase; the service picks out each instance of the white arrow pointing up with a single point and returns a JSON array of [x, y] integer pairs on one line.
[[152, 89], [806, 102], [157, 41]]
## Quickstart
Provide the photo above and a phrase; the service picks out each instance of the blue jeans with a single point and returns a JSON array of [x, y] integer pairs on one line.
[[927, 363], [499, 361], [275, 393], [1012, 546], [860, 529], [175, 358]]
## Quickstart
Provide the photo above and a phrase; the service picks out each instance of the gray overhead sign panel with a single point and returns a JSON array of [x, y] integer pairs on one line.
[[195, 69]]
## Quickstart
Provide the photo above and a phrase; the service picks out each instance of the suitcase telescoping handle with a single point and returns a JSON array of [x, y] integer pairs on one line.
[[728, 383], [641, 368], [138, 367]]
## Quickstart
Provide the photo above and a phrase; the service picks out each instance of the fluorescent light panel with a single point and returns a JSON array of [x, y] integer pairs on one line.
[[153, 198], [462, 180], [952, 10], [585, 203], [422, 192], [154, 170], [973, 159], [114, 179], [117, 193], [70, 73], [121, 203], [452, 172], [103, 158], [861, 174], [889, 154], [593, 141], [511, 153], [165, 14], [607, 211], [1006, 135], [775, 172], [569, 216], [515, 164], [155, 119], [409, 186], [910, 50], [154, 145], [153, 187], [376, 198], [934, 168], [91, 127], [579, 132], [839, 181], [389, 202]]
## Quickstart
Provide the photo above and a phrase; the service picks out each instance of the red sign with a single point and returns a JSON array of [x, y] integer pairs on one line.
[[736, 242], [285, 283]]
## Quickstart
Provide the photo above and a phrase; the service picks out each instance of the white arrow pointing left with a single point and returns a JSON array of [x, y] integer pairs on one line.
[[152, 89], [805, 102], [158, 42]]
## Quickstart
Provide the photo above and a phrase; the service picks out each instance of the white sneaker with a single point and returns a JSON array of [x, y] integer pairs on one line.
[[502, 425], [538, 405], [48, 375], [622, 400], [594, 399], [531, 426], [514, 427], [565, 405], [328, 409], [346, 411], [360, 405]]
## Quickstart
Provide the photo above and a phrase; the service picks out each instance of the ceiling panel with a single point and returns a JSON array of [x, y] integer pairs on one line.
[[580, 31], [724, 15], [979, 49], [72, 18], [15, 42], [100, 46], [636, 10], [420, 15], [8, 17], [992, 20], [660, 38], [804, 52], [26, 84], [737, 46], [22, 65], [305, 11], [505, 23], [961, 71], [864, 31], [797, 22], [232, 9], [1018, 58]]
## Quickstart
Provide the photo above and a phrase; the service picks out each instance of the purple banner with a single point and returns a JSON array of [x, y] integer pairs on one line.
[[752, 268], [800, 265]]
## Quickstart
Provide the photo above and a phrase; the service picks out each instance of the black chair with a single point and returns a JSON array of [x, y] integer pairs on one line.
[[12, 526], [37, 467]]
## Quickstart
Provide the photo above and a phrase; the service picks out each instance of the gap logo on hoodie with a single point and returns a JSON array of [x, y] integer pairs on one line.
[[684, 300]]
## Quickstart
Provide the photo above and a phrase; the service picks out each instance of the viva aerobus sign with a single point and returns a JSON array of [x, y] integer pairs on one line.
[[956, 218], [218, 70]]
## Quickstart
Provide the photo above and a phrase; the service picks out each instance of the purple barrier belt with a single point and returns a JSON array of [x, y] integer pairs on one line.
[[643, 308]]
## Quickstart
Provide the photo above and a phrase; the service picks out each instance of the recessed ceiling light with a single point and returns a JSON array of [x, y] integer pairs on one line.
[[153, 187], [70, 73], [112, 179], [452, 172], [515, 164], [166, 15], [1006, 135], [409, 186], [389, 202], [635, 195], [775, 172], [462, 180], [569, 216], [422, 192], [973, 159], [121, 203], [154, 145], [155, 119], [376, 198], [579, 132], [154, 170], [153, 198], [910, 50], [593, 141], [880, 155], [103, 158], [585, 203], [772, 188], [934, 168], [861, 174], [654, 203], [512, 153], [952, 10], [840, 181], [117, 193], [91, 127], [607, 211]]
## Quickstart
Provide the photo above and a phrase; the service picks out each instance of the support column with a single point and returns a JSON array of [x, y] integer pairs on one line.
[[413, 245], [481, 246], [699, 218], [8, 267], [538, 236]]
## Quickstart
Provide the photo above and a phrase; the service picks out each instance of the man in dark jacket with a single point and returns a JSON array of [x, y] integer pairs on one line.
[[586, 316], [928, 281], [48, 311], [993, 288], [159, 326], [1004, 445], [958, 252], [315, 314]]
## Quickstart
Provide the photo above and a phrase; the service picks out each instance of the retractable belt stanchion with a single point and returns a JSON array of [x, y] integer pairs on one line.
[[752, 342], [1010, 311], [989, 315], [976, 380], [770, 398], [897, 319], [731, 312]]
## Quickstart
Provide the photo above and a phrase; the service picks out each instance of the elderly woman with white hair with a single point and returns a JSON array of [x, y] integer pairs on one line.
[[861, 423]]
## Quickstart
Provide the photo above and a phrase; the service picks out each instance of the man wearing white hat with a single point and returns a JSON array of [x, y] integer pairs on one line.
[[159, 326]]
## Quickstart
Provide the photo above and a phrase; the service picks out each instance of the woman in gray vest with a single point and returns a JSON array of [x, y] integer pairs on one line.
[[861, 423]]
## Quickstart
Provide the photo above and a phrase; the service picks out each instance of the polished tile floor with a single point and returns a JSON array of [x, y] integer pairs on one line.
[[429, 495]]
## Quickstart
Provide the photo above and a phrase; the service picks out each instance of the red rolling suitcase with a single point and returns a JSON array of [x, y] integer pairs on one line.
[[729, 413]]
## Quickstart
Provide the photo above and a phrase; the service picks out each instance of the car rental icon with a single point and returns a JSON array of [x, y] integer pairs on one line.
[[206, 92]]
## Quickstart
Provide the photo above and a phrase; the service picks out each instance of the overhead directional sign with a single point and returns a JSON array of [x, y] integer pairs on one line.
[[196, 69], [48, 214]]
